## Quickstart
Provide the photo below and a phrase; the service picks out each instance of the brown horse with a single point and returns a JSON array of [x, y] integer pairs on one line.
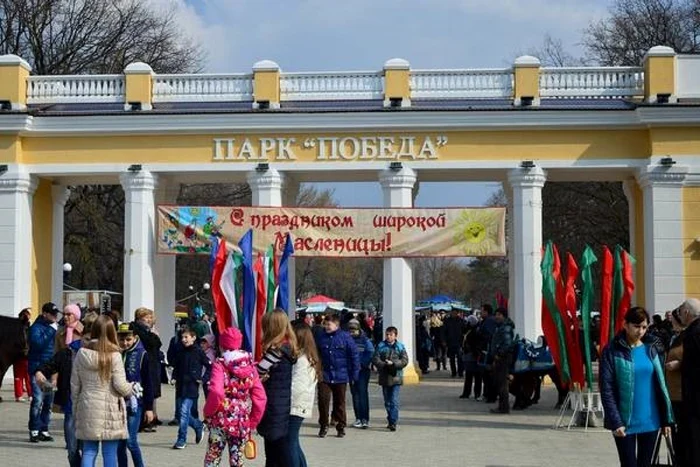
[[13, 343]]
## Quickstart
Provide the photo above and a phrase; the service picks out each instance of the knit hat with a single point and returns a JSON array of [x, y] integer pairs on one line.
[[230, 339], [125, 328], [72, 310], [353, 324]]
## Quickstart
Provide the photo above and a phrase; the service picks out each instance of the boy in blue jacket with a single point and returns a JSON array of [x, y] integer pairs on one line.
[[360, 388], [390, 359], [136, 368]]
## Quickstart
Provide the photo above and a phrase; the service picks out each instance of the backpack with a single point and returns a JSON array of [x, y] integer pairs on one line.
[[233, 414]]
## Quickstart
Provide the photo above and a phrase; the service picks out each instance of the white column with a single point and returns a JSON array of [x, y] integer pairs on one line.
[[59, 194], [509, 242], [628, 187], [165, 274], [526, 297], [16, 192], [398, 272], [267, 191], [664, 285], [139, 242]]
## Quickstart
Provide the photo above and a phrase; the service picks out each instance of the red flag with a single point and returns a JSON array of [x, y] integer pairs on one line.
[[564, 312], [605, 296], [628, 284], [260, 304], [549, 329], [575, 357], [221, 308]]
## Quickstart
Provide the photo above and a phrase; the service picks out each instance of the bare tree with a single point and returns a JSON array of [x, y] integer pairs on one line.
[[634, 26], [95, 36], [553, 53]]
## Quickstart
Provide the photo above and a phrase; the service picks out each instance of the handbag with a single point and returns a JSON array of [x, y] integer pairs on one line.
[[670, 453], [250, 450]]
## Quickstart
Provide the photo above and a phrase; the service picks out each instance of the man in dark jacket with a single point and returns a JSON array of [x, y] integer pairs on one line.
[[690, 380], [500, 353], [41, 342], [341, 365], [484, 332], [454, 330]]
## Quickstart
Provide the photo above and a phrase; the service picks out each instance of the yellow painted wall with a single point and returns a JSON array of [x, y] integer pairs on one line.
[[472, 145], [527, 81], [10, 149], [660, 76], [42, 220], [674, 141], [691, 248], [639, 243], [139, 88], [397, 84], [13, 84], [266, 85]]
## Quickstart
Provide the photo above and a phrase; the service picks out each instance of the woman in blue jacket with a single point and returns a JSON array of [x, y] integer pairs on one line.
[[634, 392]]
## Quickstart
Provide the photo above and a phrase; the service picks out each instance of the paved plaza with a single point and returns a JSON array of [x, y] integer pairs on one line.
[[436, 429]]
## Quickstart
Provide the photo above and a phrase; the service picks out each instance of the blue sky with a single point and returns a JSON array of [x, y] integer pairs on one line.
[[333, 35]]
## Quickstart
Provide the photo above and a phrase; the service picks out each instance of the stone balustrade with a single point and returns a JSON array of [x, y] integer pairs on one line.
[[477, 83], [592, 82], [75, 89]]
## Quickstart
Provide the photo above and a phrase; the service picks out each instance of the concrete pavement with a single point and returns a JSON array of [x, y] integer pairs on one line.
[[435, 429]]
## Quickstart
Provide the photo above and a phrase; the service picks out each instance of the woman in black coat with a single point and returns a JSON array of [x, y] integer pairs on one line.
[[143, 327], [275, 369]]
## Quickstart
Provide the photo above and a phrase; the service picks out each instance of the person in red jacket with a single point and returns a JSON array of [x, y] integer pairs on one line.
[[21, 366], [235, 403]]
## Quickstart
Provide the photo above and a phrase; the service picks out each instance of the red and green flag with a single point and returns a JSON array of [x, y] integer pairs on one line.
[[575, 359], [627, 280], [555, 331], [587, 297]]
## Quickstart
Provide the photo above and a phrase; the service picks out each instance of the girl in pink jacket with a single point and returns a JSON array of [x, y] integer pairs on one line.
[[236, 400]]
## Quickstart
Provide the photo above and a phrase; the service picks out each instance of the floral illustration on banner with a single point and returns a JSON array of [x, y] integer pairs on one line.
[[477, 232], [191, 229]]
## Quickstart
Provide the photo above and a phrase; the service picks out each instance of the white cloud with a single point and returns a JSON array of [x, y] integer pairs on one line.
[[362, 34]]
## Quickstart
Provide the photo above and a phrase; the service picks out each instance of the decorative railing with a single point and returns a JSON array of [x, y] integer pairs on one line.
[[203, 88], [75, 89], [592, 82], [478, 83], [331, 86]]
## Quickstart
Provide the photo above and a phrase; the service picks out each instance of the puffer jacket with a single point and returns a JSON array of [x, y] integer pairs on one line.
[[99, 407], [339, 356], [41, 343], [502, 340], [617, 383], [390, 375], [365, 350], [303, 388], [278, 388]]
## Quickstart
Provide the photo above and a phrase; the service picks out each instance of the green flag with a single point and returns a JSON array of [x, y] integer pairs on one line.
[[587, 298], [549, 296], [270, 264]]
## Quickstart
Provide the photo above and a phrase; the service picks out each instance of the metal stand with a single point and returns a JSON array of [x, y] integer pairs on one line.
[[586, 407]]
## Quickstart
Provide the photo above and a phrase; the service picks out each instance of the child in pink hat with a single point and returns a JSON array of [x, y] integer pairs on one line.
[[236, 400]]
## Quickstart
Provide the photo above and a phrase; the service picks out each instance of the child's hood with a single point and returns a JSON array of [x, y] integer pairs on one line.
[[239, 363]]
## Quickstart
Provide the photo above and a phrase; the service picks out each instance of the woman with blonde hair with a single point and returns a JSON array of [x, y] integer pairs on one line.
[[98, 388], [305, 375], [275, 369]]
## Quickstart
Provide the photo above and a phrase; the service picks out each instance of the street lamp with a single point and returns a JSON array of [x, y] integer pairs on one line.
[[67, 267]]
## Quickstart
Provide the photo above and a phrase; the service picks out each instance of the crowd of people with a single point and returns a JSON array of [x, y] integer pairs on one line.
[[105, 377]]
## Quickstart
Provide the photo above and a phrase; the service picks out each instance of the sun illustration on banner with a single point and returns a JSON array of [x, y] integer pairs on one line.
[[477, 231]]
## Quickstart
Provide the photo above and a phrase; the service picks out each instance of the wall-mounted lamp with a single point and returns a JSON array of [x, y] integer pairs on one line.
[[667, 161], [395, 166], [135, 168], [663, 98], [263, 105], [527, 165], [395, 102], [135, 106], [526, 101], [262, 167], [5, 106], [4, 168]]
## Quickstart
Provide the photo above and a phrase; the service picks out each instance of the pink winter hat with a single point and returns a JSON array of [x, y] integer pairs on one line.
[[72, 310], [230, 339]]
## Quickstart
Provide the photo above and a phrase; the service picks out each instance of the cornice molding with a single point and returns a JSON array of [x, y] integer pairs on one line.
[[404, 178], [527, 178], [18, 182], [268, 180], [139, 181], [658, 176]]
